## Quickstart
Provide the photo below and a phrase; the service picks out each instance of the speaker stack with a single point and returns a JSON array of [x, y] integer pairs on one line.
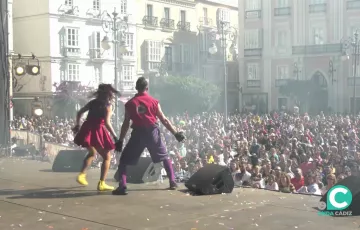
[[211, 179], [69, 161], [143, 172]]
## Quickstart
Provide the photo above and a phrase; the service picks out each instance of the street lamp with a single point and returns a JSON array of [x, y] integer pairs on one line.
[[347, 44], [116, 25], [226, 33]]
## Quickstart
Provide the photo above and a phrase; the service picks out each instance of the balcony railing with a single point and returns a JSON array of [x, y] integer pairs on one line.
[[126, 85], [95, 53], [318, 8], [257, 52], [153, 66], [72, 51], [184, 26], [281, 82], [282, 11], [250, 14], [350, 81], [253, 83], [206, 22], [167, 23], [353, 4], [150, 21], [317, 49]]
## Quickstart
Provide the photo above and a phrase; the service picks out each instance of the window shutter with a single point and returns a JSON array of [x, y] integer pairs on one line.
[[259, 39]]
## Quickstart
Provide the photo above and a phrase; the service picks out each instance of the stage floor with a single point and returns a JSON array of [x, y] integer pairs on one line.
[[34, 198]]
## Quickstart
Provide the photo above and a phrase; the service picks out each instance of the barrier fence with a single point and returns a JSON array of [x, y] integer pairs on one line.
[[25, 137]]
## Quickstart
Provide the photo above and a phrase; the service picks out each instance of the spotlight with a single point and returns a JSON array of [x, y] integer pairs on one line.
[[38, 112], [33, 69], [19, 70]]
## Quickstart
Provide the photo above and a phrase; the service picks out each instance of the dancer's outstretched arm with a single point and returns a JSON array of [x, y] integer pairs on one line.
[[81, 112]]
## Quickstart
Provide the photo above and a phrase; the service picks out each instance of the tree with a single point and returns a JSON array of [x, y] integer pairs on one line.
[[189, 94], [68, 96]]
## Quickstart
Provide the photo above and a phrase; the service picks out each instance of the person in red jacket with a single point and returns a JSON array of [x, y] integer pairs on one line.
[[298, 181], [144, 110]]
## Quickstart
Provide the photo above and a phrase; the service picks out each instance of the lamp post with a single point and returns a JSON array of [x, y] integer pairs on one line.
[[113, 23], [332, 70], [351, 44], [226, 33]]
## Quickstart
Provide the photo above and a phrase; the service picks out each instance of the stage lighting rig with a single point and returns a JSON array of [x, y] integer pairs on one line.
[[32, 67]]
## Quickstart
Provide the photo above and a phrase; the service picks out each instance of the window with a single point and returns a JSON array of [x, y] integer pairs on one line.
[[318, 36], [282, 72], [167, 13], [186, 54], [223, 15], [168, 57], [72, 37], [69, 2], [253, 5], [205, 12], [97, 75], [127, 72], [283, 3], [129, 42], [153, 51], [96, 4], [95, 45], [281, 38], [183, 16], [149, 10], [252, 39], [73, 72], [123, 7], [253, 71]]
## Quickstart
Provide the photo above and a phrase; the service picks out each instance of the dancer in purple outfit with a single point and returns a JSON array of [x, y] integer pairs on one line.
[[144, 110]]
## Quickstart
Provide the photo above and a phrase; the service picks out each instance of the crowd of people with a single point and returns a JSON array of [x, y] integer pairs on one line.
[[281, 151]]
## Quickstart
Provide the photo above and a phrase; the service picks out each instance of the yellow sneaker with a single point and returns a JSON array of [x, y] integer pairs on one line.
[[104, 187], [81, 179]]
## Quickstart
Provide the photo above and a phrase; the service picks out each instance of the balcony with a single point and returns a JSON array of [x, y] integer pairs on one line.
[[167, 24], [317, 8], [126, 85], [353, 5], [281, 82], [350, 81], [252, 14], [257, 52], [183, 26], [317, 49], [71, 51], [206, 22], [152, 66], [253, 83], [96, 55], [150, 21], [282, 11], [67, 10]]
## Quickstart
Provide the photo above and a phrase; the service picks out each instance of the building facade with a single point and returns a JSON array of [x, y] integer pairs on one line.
[[163, 38], [298, 40], [66, 39]]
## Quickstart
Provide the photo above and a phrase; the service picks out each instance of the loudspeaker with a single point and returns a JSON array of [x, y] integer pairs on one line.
[[211, 179], [144, 171], [69, 160], [26, 150], [353, 184]]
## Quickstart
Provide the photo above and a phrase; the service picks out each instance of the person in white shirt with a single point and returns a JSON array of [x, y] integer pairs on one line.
[[312, 187], [242, 178], [272, 184]]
